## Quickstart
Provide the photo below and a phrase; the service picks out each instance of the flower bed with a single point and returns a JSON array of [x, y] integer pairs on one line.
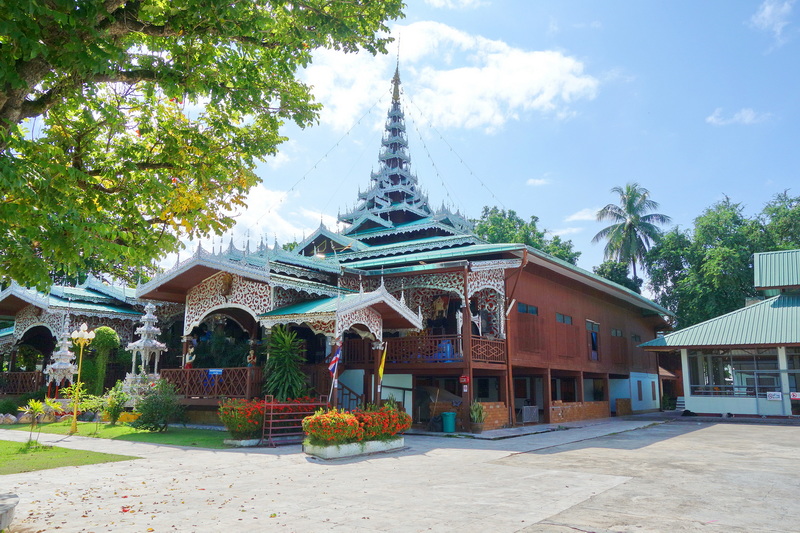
[[337, 433], [244, 419]]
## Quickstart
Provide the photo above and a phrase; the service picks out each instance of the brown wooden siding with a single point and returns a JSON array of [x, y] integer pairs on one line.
[[539, 341]]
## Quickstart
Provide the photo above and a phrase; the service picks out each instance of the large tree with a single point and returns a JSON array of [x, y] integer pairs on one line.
[[127, 124], [498, 225], [634, 228], [618, 273], [708, 271]]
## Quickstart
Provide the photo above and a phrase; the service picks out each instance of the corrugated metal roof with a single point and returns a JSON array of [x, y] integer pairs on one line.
[[325, 305], [436, 255], [77, 306], [773, 322], [777, 269]]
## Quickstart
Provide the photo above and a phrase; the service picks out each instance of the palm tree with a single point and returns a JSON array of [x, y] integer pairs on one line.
[[634, 227]]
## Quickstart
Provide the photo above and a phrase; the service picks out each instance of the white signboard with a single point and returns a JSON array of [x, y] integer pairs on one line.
[[774, 396], [794, 395]]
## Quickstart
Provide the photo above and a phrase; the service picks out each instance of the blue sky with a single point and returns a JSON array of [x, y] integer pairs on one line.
[[542, 107]]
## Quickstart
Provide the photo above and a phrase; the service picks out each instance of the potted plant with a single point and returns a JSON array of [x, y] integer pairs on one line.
[[477, 416]]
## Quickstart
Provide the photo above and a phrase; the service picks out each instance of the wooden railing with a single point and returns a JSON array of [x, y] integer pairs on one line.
[[424, 349], [357, 352], [349, 399], [243, 382], [20, 382], [488, 350]]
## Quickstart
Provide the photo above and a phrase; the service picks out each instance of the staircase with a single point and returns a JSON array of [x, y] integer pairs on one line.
[[680, 404]]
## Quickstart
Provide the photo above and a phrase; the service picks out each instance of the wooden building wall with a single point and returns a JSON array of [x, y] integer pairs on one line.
[[540, 341]]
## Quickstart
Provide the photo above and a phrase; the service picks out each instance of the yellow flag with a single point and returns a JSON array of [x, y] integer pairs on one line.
[[380, 368]]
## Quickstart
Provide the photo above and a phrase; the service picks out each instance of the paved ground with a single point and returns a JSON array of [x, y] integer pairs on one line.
[[613, 475]]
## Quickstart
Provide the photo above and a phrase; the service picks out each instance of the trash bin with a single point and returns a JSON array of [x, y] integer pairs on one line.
[[449, 422]]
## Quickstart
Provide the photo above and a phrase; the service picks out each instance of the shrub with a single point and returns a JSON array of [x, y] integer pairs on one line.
[[242, 418], [8, 406], [382, 423], [115, 400], [158, 408], [333, 427], [105, 341]]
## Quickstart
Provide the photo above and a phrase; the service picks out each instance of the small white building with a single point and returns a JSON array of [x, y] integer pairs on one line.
[[746, 362]]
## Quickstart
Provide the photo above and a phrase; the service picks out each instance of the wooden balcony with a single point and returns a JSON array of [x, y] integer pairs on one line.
[[208, 385], [424, 349], [488, 350], [20, 382]]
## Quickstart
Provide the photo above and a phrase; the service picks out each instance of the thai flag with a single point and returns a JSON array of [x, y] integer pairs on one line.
[[335, 362]]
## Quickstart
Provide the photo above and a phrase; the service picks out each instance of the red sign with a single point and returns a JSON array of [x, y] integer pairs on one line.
[[794, 395], [463, 380]]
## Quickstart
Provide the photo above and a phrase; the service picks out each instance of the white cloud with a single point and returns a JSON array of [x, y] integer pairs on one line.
[[595, 25], [537, 182], [455, 4], [744, 116], [565, 231], [457, 79], [590, 213], [773, 16]]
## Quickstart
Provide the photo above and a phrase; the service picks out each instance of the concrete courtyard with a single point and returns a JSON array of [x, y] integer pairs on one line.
[[613, 475]]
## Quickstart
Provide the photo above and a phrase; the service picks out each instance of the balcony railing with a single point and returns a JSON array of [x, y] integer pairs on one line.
[[243, 382], [424, 349], [488, 350], [357, 352], [20, 382]]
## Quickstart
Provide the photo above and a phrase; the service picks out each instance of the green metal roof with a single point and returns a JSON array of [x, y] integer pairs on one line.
[[77, 306], [436, 255], [773, 322], [777, 269], [5, 332], [325, 305]]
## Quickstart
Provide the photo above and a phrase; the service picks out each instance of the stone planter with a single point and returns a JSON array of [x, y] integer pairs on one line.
[[7, 504], [351, 450], [241, 443]]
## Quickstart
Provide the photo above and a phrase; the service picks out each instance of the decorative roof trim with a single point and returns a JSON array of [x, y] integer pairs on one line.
[[405, 248], [27, 295], [207, 259]]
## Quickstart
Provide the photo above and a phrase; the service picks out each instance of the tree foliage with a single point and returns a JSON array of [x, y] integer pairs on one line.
[[634, 228], [500, 226], [128, 124], [105, 341], [284, 377], [707, 271], [618, 273]]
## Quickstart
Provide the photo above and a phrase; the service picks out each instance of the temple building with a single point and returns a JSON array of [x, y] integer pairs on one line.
[[457, 319]]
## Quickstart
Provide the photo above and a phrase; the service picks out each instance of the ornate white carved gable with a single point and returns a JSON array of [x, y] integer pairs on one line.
[[224, 289]]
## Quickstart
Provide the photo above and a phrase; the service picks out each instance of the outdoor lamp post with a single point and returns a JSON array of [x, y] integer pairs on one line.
[[82, 337]]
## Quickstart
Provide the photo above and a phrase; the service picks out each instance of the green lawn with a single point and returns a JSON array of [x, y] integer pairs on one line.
[[174, 436], [17, 457]]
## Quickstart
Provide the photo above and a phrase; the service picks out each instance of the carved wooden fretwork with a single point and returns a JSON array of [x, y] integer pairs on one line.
[[207, 296], [31, 316], [489, 303], [366, 316], [486, 279]]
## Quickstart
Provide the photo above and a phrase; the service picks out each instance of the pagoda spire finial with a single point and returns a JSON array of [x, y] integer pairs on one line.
[[396, 81]]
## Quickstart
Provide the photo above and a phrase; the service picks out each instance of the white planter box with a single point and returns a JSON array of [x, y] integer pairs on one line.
[[357, 448], [242, 443]]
